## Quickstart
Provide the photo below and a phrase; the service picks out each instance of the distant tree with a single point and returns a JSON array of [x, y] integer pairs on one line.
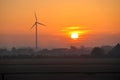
[[106, 49], [115, 52], [44, 51], [97, 52], [73, 47], [13, 49], [4, 50]]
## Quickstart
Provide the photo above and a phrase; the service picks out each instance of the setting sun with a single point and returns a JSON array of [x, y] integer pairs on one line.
[[74, 35], [75, 32]]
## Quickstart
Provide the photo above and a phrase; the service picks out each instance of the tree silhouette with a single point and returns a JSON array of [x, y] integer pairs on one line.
[[115, 52], [97, 52]]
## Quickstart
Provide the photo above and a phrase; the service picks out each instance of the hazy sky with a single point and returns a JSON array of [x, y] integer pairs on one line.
[[100, 18]]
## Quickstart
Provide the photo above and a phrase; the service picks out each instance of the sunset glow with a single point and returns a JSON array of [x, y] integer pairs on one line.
[[95, 22], [76, 32]]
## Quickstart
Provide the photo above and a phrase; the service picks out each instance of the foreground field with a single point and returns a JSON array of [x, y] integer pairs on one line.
[[57, 69], [61, 61]]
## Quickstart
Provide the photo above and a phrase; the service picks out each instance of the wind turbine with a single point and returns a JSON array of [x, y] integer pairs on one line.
[[36, 27]]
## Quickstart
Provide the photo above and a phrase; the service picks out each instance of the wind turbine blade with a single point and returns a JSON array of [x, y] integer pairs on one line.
[[41, 24], [35, 16], [33, 25]]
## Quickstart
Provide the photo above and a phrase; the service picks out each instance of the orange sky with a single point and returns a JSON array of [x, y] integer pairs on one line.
[[101, 18]]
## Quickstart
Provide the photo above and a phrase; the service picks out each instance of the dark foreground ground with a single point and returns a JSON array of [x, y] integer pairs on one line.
[[60, 69]]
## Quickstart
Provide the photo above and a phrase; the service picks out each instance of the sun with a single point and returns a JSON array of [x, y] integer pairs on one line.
[[74, 35]]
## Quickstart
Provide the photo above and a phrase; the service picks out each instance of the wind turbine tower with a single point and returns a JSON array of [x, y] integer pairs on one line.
[[36, 30]]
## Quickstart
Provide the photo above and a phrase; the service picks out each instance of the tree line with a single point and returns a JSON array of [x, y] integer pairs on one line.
[[73, 52]]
